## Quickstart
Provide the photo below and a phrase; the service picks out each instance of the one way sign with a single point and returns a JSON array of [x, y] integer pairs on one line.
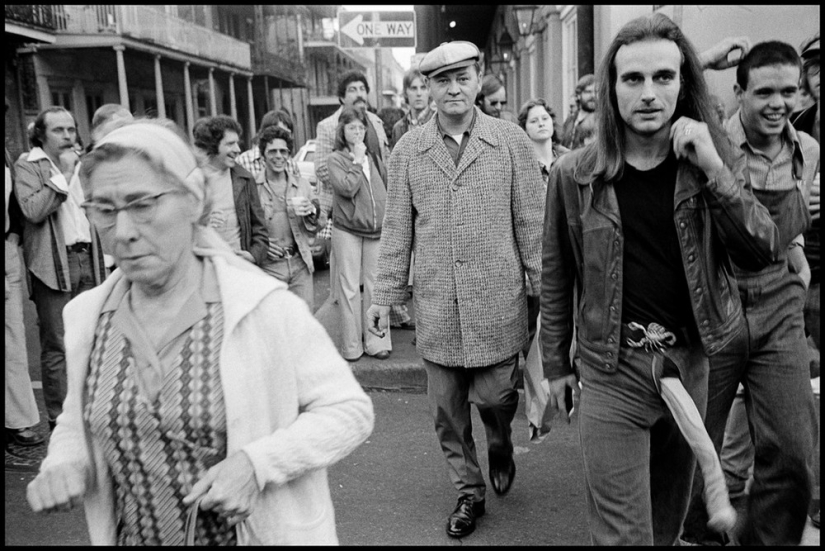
[[378, 29]]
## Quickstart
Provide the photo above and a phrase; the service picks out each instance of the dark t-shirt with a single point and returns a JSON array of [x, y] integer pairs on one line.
[[655, 288]]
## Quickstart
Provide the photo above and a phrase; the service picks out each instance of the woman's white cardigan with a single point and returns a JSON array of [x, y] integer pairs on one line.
[[292, 405]]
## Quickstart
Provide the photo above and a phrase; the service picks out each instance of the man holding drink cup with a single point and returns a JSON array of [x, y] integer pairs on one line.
[[292, 215]]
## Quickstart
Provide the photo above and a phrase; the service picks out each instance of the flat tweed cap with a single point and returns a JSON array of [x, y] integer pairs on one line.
[[447, 56]]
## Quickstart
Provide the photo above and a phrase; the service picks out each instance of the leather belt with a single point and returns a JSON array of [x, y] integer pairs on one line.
[[289, 252], [79, 248], [654, 336]]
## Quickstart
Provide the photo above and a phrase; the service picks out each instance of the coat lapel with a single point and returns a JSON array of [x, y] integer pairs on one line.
[[481, 136], [432, 143], [237, 187]]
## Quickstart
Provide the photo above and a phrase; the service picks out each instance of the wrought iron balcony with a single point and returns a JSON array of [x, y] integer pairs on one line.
[[38, 16], [286, 67], [153, 25]]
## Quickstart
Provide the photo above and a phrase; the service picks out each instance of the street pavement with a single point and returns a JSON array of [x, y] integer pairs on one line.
[[393, 489]]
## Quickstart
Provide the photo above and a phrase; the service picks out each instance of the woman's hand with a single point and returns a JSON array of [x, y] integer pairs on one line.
[[358, 152], [60, 488], [229, 488]]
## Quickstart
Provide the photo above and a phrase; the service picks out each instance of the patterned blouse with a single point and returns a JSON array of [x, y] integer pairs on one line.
[[159, 414]]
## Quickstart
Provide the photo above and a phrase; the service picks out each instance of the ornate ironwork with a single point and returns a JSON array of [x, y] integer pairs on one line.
[[35, 15]]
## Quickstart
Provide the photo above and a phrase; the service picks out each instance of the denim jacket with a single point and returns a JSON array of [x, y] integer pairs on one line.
[[716, 222]]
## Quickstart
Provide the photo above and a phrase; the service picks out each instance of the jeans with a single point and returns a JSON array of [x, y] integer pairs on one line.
[[638, 468], [21, 407], [450, 391], [356, 259], [295, 273], [49, 305], [769, 357], [737, 448]]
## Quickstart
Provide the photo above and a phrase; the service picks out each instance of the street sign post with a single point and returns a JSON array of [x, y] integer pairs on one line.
[[376, 29]]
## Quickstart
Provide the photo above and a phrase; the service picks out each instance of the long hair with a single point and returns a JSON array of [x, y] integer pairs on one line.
[[606, 159], [539, 102], [349, 114]]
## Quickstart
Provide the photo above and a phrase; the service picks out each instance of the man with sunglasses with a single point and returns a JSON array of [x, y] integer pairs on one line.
[[60, 247], [292, 214], [493, 98]]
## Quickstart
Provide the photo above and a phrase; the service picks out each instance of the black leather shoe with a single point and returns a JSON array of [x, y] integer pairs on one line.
[[463, 520], [502, 473], [24, 437], [382, 354]]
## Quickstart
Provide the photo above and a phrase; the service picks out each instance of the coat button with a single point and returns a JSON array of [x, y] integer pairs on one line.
[[609, 354], [614, 276], [612, 308], [454, 188], [607, 367], [705, 323], [682, 225], [458, 263], [610, 340]]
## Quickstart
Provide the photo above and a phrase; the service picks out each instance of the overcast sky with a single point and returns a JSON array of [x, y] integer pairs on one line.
[[402, 55]]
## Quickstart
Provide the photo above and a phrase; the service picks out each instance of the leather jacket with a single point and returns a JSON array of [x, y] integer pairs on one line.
[[716, 221]]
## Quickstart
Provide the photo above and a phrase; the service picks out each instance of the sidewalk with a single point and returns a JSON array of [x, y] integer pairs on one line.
[[403, 370]]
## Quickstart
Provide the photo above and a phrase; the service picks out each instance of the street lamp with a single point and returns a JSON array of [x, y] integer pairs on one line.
[[505, 45], [524, 18]]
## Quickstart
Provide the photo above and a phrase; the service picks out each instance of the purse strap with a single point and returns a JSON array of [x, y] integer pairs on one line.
[[191, 523]]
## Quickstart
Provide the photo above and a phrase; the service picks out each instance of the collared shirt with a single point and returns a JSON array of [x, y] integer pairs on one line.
[[153, 363], [274, 204], [70, 216], [453, 147], [765, 173]]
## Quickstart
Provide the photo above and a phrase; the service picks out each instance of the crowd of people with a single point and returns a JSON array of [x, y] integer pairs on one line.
[[664, 255]]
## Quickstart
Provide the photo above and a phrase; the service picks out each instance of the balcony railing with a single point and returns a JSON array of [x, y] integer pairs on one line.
[[36, 16], [287, 67], [153, 25]]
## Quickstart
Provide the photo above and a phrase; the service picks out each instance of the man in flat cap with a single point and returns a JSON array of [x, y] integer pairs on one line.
[[463, 196]]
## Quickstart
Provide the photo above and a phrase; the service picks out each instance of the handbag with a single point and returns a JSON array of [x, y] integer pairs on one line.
[[191, 523]]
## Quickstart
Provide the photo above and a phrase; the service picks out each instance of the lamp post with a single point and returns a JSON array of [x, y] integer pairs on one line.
[[505, 45], [524, 19]]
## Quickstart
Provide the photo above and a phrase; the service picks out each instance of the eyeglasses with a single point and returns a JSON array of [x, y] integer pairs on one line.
[[355, 128], [140, 211], [498, 102], [282, 152]]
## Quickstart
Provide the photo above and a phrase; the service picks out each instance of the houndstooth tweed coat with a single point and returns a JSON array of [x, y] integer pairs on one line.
[[475, 229]]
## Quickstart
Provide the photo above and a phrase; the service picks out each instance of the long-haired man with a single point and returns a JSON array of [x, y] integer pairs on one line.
[[644, 223]]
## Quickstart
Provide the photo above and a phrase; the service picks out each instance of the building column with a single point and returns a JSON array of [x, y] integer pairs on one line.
[[553, 84], [187, 93], [250, 98], [213, 101], [123, 88], [233, 109], [159, 89]]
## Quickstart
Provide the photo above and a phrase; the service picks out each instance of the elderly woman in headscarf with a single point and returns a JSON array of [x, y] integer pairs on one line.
[[188, 396]]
